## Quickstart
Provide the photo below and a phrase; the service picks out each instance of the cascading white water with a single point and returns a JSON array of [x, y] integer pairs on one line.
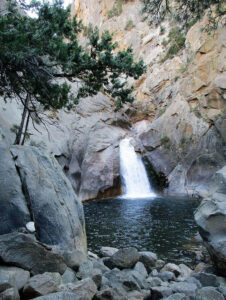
[[133, 173]]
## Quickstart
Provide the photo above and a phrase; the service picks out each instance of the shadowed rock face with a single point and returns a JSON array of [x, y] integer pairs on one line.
[[211, 219]]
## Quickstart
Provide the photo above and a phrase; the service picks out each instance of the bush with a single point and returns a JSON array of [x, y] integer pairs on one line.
[[129, 25], [116, 9]]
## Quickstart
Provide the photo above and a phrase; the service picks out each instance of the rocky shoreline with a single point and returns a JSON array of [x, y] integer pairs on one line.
[[117, 274]]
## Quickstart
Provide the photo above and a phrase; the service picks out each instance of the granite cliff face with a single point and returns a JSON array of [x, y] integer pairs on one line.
[[179, 112]]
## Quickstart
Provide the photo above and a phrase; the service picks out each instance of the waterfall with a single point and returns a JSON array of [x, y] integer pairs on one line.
[[133, 173]]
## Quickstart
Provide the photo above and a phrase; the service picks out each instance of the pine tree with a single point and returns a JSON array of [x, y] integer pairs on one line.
[[36, 52]]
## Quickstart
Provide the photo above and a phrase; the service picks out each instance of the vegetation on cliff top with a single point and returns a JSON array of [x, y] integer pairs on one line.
[[35, 53], [185, 11]]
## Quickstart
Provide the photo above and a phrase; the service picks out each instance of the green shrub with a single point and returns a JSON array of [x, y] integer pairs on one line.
[[176, 41], [116, 9], [129, 25], [162, 29]]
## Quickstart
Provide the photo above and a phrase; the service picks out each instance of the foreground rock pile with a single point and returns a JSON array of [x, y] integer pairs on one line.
[[117, 275]]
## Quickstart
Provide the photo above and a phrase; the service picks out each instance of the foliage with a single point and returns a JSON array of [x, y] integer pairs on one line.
[[37, 53], [129, 25], [185, 11], [176, 41], [166, 142], [116, 9], [162, 30]]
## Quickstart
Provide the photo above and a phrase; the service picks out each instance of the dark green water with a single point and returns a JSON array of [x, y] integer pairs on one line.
[[162, 225]]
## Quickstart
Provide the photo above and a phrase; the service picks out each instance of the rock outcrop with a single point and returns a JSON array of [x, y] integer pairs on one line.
[[39, 192], [211, 219]]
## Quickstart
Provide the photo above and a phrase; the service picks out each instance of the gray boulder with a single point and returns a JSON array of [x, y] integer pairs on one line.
[[13, 208], [152, 282], [125, 258], [206, 279], [57, 214], [159, 292], [10, 294], [149, 260], [69, 276], [59, 296], [24, 251], [139, 267], [111, 294], [13, 277], [84, 289], [107, 251], [42, 284], [167, 276], [211, 219], [189, 289], [209, 293], [172, 268], [74, 258], [177, 296]]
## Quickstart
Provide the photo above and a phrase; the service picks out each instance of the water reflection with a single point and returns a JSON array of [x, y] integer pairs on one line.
[[162, 225]]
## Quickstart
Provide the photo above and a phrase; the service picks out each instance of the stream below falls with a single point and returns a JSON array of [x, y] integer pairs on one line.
[[164, 225]]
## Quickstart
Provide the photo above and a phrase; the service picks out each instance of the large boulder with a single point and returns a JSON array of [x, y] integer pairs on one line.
[[56, 212], [14, 212], [24, 251], [211, 219]]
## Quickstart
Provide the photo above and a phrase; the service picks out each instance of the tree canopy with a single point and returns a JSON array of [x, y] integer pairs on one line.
[[36, 52]]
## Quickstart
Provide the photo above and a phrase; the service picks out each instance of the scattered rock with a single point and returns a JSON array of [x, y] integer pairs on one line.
[[13, 277], [177, 296], [194, 281], [166, 276], [26, 252], [85, 270], [149, 260], [207, 279], [152, 282], [60, 296], [139, 267], [135, 295], [189, 289], [125, 258], [10, 294], [160, 264], [84, 289], [30, 227], [42, 284], [171, 268], [209, 293], [74, 259], [69, 276], [92, 255], [111, 294], [108, 251], [185, 272], [160, 292]]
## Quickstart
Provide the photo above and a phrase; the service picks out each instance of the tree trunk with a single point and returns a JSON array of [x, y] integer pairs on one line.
[[26, 127], [19, 133]]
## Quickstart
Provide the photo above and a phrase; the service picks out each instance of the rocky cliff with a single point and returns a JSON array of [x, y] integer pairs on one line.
[[179, 112], [178, 117]]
